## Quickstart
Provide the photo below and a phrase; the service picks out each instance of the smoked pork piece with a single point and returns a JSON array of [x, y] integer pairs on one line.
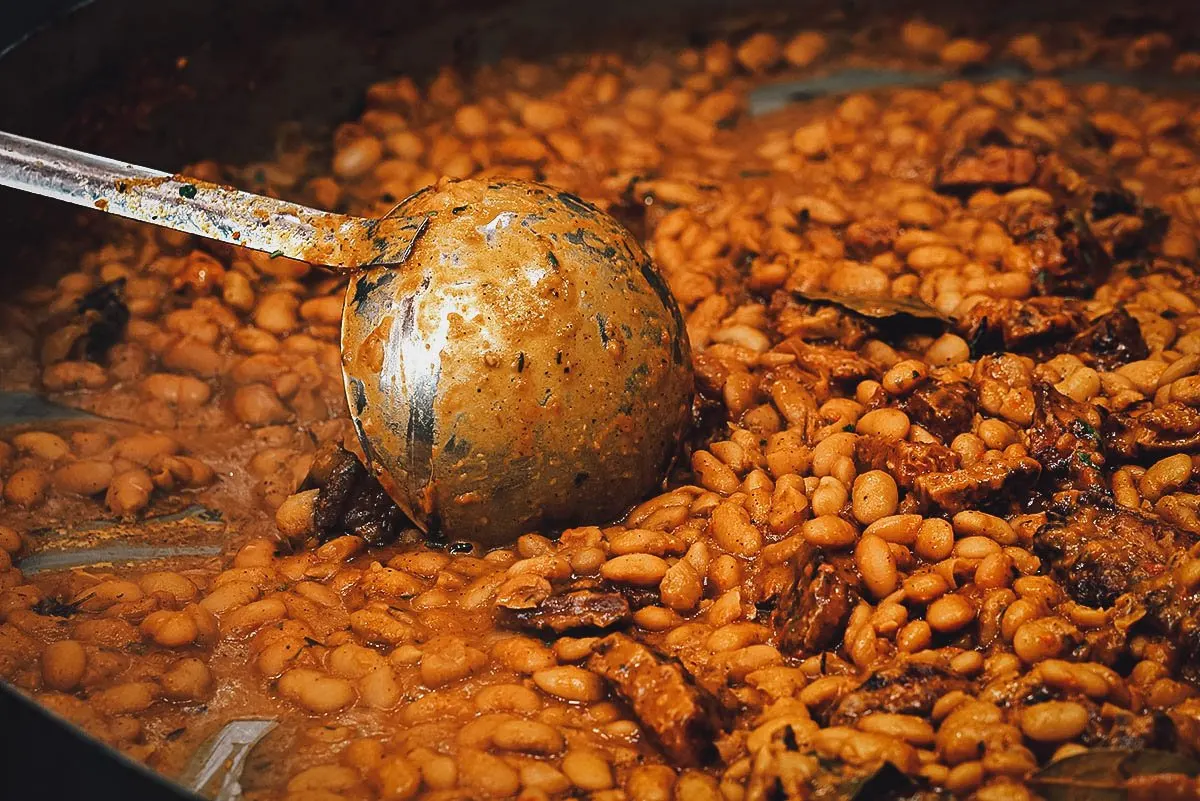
[[572, 611], [682, 718], [999, 324], [1099, 554], [1157, 432], [996, 484], [905, 460], [986, 167], [811, 616], [906, 689], [1064, 437], [945, 409], [1111, 341]]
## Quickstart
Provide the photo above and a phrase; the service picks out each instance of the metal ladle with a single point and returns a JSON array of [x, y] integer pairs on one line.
[[512, 358]]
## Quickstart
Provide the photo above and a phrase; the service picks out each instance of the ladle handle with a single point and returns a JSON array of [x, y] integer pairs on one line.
[[205, 209]]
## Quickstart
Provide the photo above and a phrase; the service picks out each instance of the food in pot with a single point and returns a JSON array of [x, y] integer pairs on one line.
[[933, 532]]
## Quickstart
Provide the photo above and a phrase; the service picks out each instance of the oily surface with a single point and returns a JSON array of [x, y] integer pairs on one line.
[[952, 532]]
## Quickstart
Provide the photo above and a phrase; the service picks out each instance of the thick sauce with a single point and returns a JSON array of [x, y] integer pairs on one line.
[[958, 541]]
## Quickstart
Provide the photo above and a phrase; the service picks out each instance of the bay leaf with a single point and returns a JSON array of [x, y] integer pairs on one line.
[[875, 306], [1102, 774]]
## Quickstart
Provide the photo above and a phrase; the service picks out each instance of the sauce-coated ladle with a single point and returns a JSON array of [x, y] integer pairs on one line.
[[512, 358]]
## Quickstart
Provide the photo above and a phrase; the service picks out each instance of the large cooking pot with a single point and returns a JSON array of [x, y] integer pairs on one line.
[[165, 82]]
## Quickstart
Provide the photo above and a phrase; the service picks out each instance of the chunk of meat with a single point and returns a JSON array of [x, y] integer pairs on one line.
[[1099, 554], [835, 364], [1131, 731], [371, 513], [350, 501], [572, 611], [1172, 605], [91, 329], [903, 459], [818, 321], [1143, 565], [682, 718], [1067, 259], [945, 409], [1159, 431], [998, 324], [1185, 717], [1121, 223], [812, 615], [988, 167], [867, 238], [1065, 439], [996, 484], [908, 689], [1113, 340], [711, 375]]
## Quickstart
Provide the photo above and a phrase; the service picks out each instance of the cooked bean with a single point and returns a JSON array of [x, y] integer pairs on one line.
[[42, 444], [258, 405], [523, 654], [380, 689], [129, 491], [587, 770], [170, 629], [486, 776], [829, 531], [63, 665], [26, 487], [1054, 721], [253, 615], [733, 530], [829, 497], [315, 691], [713, 474], [876, 565], [1165, 476], [10, 541], [570, 683], [449, 660], [192, 356], [143, 448], [642, 569], [947, 350], [874, 496], [125, 699], [187, 680], [323, 777], [229, 595], [904, 375], [178, 390], [294, 517], [890, 423], [397, 779], [527, 736], [357, 157], [950, 613], [104, 594], [83, 477], [682, 586], [900, 529], [1036, 640], [935, 540]]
